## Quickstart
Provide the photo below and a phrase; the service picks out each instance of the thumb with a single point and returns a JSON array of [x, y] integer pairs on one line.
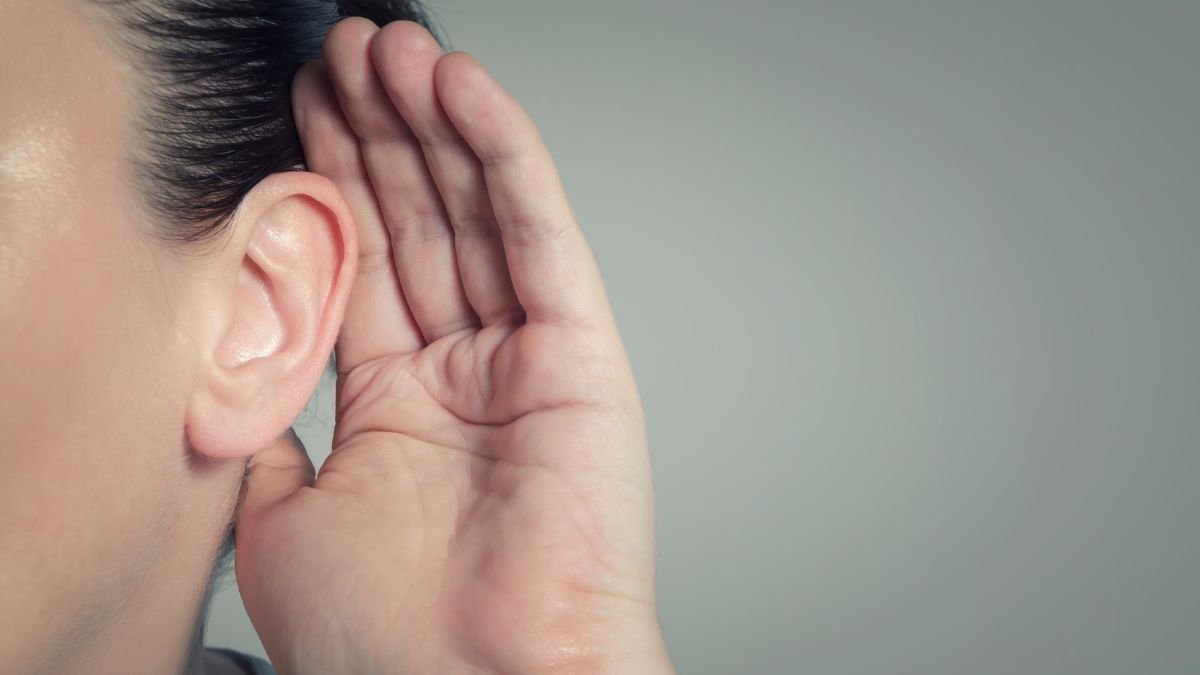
[[272, 475]]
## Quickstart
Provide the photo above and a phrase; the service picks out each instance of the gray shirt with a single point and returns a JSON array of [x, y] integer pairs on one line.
[[249, 664]]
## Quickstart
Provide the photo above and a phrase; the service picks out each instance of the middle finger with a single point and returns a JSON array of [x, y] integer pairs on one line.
[[422, 240]]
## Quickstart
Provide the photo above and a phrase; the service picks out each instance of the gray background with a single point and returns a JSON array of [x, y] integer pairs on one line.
[[910, 290]]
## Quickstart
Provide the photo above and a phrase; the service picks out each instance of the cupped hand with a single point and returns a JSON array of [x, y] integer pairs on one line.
[[487, 506]]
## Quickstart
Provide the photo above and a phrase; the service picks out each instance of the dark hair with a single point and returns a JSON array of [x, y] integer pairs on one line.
[[214, 111]]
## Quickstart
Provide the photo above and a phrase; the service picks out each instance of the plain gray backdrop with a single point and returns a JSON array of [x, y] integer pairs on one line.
[[911, 292]]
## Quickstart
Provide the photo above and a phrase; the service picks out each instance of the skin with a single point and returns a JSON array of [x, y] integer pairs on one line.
[[487, 506], [94, 467], [127, 417]]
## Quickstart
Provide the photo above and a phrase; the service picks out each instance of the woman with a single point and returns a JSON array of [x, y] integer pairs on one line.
[[179, 259]]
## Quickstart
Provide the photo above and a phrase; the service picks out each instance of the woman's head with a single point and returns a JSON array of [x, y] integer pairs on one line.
[[171, 284]]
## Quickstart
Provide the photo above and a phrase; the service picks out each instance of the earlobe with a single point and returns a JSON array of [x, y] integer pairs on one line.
[[266, 328]]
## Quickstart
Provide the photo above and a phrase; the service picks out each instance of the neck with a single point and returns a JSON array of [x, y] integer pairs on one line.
[[200, 661], [160, 628]]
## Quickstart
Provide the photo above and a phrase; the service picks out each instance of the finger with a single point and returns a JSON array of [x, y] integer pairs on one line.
[[404, 54], [377, 320], [421, 238], [272, 475], [552, 267]]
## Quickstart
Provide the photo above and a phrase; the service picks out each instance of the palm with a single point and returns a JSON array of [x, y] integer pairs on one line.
[[487, 502]]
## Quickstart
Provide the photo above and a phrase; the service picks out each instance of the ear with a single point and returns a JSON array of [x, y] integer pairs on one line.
[[267, 313]]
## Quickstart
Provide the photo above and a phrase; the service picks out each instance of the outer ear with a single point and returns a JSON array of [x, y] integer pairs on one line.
[[267, 313]]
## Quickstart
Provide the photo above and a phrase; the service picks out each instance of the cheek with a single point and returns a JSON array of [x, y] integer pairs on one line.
[[91, 412]]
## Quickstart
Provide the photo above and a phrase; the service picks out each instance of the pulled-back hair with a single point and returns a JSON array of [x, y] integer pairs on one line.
[[214, 108]]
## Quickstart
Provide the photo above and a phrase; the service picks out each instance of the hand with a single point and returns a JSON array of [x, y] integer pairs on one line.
[[487, 506]]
